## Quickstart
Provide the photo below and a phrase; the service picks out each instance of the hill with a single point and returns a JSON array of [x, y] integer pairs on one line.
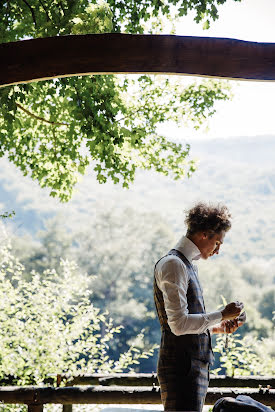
[[237, 171]]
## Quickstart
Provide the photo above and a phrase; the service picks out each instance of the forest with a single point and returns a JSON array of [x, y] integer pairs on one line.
[[111, 237]]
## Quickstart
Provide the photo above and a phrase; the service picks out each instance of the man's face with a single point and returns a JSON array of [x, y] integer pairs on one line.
[[210, 244]]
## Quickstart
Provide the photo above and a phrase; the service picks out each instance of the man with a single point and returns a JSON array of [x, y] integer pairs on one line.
[[185, 351]]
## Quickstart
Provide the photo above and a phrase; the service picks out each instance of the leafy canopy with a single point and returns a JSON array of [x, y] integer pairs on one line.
[[41, 18], [54, 130]]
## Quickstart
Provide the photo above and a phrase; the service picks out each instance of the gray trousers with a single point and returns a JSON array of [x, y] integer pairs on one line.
[[183, 383]]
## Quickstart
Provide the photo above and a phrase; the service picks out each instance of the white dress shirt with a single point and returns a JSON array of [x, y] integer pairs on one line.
[[172, 279]]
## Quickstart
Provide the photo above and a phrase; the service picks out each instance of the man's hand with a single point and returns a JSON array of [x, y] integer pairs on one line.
[[230, 326], [232, 310]]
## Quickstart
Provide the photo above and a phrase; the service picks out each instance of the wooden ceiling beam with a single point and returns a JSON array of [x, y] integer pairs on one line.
[[46, 58]]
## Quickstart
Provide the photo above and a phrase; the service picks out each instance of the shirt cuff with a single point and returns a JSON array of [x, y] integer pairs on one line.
[[214, 318]]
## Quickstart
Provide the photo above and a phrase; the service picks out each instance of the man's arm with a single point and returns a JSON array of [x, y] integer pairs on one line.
[[172, 279]]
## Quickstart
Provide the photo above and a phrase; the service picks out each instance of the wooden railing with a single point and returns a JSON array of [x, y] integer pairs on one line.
[[150, 379], [128, 389]]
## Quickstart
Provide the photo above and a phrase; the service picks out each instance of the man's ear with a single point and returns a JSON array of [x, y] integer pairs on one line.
[[204, 235]]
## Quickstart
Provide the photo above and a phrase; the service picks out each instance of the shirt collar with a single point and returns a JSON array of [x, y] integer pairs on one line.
[[188, 249]]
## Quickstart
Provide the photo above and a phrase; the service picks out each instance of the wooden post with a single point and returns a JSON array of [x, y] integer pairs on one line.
[[67, 408], [35, 408]]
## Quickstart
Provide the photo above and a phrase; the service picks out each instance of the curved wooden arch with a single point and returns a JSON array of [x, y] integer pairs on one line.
[[46, 58]]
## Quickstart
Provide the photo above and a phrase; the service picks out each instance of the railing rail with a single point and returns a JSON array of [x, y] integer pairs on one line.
[[115, 389], [150, 379]]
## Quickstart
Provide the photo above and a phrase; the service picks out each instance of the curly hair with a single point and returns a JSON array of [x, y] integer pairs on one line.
[[208, 218]]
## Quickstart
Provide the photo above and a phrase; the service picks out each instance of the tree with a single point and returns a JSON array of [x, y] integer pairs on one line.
[[51, 318], [117, 250], [119, 271], [119, 253], [267, 302], [55, 243], [54, 130]]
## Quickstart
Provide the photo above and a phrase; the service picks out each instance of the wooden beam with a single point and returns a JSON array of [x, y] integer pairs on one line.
[[72, 55], [114, 394]]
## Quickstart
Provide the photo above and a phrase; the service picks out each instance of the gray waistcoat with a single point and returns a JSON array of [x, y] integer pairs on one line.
[[197, 345]]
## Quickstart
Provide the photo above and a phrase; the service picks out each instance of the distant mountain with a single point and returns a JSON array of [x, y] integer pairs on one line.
[[237, 171], [253, 150]]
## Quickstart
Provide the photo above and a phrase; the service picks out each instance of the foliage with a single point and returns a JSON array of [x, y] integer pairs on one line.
[[49, 326], [44, 18], [119, 271], [55, 130], [229, 278], [120, 246], [267, 302], [16, 408], [244, 356], [7, 215], [133, 14], [122, 249], [54, 242]]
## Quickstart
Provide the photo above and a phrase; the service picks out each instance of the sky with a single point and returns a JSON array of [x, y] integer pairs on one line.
[[251, 112]]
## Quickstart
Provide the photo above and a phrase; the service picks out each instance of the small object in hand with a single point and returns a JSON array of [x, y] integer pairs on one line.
[[242, 317], [226, 342]]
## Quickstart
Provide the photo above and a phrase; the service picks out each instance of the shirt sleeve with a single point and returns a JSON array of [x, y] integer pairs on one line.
[[172, 279]]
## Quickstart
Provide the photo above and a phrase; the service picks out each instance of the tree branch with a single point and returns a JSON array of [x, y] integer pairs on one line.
[[40, 118], [61, 7], [54, 144], [32, 12], [45, 10], [130, 115]]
